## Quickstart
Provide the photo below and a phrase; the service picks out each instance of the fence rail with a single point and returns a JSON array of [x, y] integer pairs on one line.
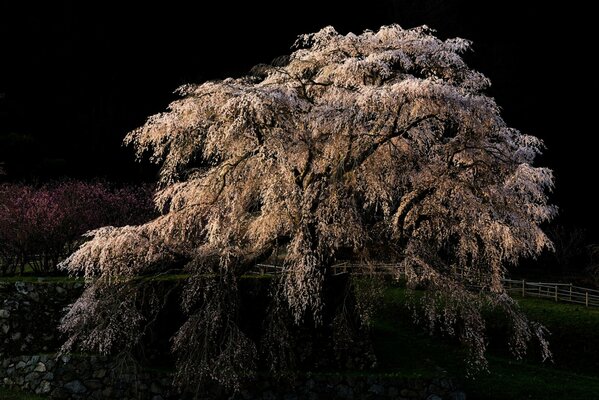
[[556, 291], [565, 292]]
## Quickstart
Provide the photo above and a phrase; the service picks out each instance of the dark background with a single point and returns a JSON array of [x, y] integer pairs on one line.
[[77, 76]]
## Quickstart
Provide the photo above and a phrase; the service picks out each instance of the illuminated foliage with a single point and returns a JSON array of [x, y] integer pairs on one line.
[[373, 147]]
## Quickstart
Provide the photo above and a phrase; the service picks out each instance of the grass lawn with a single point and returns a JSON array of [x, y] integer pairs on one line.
[[400, 345], [35, 279], [6, 394]]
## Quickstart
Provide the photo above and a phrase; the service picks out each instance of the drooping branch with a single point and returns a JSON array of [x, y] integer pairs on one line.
[[358, 146], [406, 204]]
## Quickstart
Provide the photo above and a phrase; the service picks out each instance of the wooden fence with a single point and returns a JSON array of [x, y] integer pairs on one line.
[[564, 292]]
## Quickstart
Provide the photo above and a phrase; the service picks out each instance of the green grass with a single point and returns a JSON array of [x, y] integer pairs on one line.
[[583, 319], [6, 394], [574, 333], [510, 379], [30, 278], [39, 279], [402, 346]]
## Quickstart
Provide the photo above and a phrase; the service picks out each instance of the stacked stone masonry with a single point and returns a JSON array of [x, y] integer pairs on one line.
[[29, 340]]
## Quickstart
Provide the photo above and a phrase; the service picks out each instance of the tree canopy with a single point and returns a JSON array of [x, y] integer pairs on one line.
[[374, 147]]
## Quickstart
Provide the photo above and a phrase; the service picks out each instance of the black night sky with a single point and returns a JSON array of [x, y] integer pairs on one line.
[[75, 77]]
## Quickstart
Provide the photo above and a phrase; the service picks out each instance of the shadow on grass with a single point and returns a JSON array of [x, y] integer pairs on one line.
[[401, 345]]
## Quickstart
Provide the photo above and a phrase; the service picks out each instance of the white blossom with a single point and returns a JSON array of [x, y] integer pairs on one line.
[[380, 146]]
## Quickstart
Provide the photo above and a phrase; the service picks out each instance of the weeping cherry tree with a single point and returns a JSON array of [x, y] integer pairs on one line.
[[374, 147]]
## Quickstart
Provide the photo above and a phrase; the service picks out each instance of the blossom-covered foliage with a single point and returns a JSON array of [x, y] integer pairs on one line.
[[41, 225], [373, 147]]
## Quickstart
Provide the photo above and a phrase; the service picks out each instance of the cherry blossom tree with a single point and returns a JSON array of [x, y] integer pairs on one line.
[[374, 147], [41, 225]]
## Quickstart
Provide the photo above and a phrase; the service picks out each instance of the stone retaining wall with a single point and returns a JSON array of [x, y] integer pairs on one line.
[[81, 377], [94, 377], [29, 315]]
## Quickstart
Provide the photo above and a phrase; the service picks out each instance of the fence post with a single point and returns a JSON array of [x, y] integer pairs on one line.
[[570, 292], [556, 293], [586, 300], [523, 287]]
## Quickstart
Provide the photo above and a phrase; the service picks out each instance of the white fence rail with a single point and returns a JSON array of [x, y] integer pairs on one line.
[[564, 292]]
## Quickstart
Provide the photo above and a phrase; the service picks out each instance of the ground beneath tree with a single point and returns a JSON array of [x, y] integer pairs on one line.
[[574, 373]]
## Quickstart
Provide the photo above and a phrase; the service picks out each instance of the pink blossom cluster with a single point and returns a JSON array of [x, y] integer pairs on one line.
[[40, 225]]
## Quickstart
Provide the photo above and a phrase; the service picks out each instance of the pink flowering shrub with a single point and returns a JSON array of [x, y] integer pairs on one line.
[[41, 225]]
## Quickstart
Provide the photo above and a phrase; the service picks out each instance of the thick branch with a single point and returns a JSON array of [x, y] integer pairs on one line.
[[407, 203], [353, 163]]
